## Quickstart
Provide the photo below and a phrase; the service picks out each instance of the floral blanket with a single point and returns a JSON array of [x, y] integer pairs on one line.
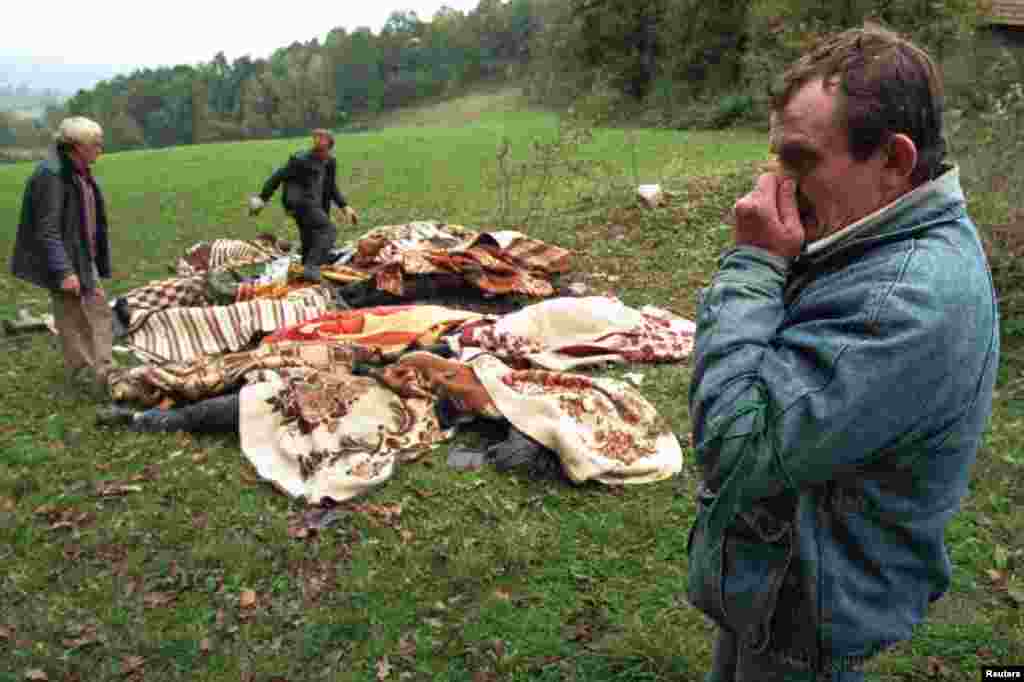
[[319, 433], [330, 434], [563, 333], [601, 429]]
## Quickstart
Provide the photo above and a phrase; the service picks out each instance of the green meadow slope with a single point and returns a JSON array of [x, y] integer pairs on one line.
[[483, 575]]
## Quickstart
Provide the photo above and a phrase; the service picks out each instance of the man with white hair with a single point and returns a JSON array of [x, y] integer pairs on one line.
[[62, 246], [310, 187]]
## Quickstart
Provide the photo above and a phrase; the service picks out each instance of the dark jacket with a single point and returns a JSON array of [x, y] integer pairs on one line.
[[838, 403], [51, 242], [299, 176]]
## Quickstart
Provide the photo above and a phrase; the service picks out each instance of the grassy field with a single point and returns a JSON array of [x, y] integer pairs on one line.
[[482, 576]]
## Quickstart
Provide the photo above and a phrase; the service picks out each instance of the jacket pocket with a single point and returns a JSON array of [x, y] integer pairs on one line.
[[737, 581]]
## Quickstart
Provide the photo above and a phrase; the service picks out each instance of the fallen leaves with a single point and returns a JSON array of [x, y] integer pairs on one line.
[[36, 675], [65, 517], [386, 514], [7, 504], [247, 599], [155, 600], [407, 646], [132, 664], [937, 667], [116, 489], [383, 668], [1002, 583], [81, 637]]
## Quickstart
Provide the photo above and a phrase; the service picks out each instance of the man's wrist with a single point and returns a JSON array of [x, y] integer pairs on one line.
[[781, 264]]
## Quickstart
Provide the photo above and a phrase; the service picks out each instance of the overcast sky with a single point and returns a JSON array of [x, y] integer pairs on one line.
[[130, 34]]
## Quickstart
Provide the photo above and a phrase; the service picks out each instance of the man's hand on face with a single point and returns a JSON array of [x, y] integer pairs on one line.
[[767, 217]]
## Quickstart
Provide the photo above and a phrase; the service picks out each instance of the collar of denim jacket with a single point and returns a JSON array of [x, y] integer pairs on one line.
[[946, 185]]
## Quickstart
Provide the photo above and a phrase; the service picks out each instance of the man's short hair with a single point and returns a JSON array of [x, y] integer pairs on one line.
[[78, 130], [323, 132], [886, 84]]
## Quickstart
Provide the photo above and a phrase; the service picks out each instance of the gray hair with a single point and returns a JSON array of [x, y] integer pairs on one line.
[[78, 130]]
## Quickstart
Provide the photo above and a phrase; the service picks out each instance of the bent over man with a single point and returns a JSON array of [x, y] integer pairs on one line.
[[310, 186], [845, 359], [62, 246]]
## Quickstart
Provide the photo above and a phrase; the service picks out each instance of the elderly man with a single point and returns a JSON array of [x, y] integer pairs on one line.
[[62, 245], [310, 186], [845, 359]]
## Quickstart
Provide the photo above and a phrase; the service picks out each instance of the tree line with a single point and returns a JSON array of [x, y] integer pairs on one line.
[[669, 62]]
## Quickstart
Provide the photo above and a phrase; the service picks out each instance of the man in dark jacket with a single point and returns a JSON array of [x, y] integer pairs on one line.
[[844, 366], [62, 246], [310, 185]]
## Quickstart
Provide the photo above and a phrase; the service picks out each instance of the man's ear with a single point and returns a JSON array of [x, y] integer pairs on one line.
[[901, 159]]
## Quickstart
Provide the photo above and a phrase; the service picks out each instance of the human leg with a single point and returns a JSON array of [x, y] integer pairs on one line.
[[318, 235], [213, 415], [100, 320], [73, 330], [723, 658]]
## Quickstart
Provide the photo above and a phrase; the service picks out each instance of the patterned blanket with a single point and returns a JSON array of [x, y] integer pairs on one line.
[[563, 333], [213, 375], [141, 302], [330, 434], [493, 262], [222, 253], [601, 429], [182, 334], [392, 329], [318, 434]]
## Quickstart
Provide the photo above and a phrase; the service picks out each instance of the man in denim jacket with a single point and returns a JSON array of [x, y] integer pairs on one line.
[[844, 367]]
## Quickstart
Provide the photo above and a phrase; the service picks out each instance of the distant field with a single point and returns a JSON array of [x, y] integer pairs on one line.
[[494, 576]]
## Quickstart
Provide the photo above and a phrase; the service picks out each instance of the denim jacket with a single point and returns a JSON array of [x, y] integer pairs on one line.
[[838, 401]]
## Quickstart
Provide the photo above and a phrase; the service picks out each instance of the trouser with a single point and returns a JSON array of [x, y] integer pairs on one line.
[[730, 663], [317, 234], [212, 415], [85, 328]]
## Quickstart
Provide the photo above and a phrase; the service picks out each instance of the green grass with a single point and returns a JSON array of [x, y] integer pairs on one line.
[[489, 576]]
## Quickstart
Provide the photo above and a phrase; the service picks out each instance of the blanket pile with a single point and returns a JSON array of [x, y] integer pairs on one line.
[[332, 400]]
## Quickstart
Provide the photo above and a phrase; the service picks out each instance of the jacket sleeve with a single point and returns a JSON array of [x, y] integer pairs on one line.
[[283, 173], [335, 195], [776, 410], [48, 209]]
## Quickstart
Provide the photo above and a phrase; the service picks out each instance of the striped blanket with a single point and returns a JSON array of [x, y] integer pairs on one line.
[[183, 334]]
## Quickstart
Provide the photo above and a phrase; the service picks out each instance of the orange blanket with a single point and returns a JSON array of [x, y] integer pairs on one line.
[[392, 329]]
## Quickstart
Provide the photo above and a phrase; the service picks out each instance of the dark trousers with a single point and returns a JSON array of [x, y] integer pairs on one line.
[[731, 664], [213, 415], [317, 234]]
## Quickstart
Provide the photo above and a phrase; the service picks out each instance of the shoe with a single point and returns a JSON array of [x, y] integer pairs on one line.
[[114, 415], [311, 273], [156, 420]]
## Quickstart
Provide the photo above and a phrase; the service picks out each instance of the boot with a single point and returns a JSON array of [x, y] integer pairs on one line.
[[159, 421], [311, 273], [114, 415]]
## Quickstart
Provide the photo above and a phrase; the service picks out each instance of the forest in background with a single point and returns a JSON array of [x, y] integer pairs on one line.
[[671, 63]]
